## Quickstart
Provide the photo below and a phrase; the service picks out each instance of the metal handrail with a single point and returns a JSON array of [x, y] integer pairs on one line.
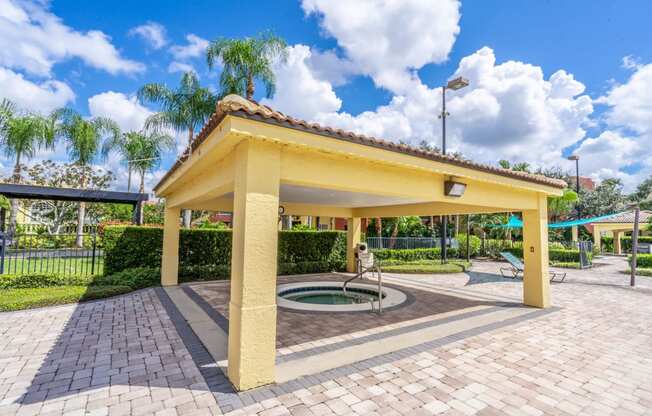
[[361, 271]]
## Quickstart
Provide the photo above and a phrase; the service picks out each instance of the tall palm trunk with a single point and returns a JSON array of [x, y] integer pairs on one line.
[[187, 213], [379, 230], [13, 210], [392, 241], [129, 179], [142, 182], [81, 215], [250, 87]]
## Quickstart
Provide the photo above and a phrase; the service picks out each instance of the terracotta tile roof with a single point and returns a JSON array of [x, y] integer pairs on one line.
[[237, 106], [627, 217]]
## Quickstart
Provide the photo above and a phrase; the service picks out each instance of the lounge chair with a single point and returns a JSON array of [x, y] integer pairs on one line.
[[517, 267]]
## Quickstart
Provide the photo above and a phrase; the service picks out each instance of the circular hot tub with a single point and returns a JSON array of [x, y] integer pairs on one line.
[[330, 297]]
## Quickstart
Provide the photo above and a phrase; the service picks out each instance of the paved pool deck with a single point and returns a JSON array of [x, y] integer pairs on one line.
[[137, 354]]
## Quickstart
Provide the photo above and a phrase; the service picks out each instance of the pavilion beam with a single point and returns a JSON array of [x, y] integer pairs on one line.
[[316, 210], [536, 279], [252, 306], [209, 184], [429, 208]]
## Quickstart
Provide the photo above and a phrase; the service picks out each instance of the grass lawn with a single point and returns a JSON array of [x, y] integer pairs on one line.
[[640, 271], [72, 265], [432, 266], [17, 299], [565, 264]]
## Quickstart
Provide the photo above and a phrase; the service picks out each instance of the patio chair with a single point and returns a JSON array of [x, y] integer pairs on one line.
[[517, 267]]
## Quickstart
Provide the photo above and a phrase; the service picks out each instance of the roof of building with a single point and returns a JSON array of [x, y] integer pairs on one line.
[[626, 217], [235, 105], [12, 190]]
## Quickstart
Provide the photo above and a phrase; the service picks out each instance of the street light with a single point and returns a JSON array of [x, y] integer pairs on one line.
[[576, 158], [453, 84], [632, 276]]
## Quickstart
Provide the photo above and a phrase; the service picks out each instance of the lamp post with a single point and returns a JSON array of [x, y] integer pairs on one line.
[[632, 276], [576, 158], [453, 84]]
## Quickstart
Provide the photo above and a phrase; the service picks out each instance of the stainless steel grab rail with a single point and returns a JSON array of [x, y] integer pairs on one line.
[[361, 271]]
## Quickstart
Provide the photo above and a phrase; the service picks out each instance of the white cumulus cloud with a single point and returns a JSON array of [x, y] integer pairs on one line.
[[195, 47], [124, 110], [43, 97], [34, 40], [298, 91], [388, 39], [176, 66], [153, 33]]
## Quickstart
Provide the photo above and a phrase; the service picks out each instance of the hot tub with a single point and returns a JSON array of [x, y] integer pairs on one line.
[[330, 297]]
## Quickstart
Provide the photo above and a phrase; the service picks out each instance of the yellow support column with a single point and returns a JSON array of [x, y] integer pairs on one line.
[[536, 279], [353, 226], [597, 238], [575, 233], [617, 242], [170, 258], [252, 308]]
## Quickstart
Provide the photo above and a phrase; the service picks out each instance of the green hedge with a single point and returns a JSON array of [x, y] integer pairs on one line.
[[555, 255], [206, 253], [642, 260], [626, 242], [414, 254]]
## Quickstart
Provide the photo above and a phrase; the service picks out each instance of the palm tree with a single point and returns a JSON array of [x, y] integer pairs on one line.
[[83, 141], [185, 108], [127, 147], [244, 61], [21, 135], [142, 151]]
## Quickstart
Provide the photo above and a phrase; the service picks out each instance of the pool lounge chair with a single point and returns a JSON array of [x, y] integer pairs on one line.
[[517, 267]]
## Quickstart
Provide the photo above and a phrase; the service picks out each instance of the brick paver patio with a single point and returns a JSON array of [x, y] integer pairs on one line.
[[593, 356]]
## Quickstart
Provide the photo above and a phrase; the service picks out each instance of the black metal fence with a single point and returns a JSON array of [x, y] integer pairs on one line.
[[50, 253]]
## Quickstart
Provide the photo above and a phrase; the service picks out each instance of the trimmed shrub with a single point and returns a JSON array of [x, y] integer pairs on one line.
[[411, 255], [474, 245], [135, 278], [35, 280], [205, 254], [561, 256], [642, 260]]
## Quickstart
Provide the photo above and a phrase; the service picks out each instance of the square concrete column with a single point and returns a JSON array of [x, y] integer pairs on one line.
[[597, 238], [353, 227], [575, 233], [170, 258], [618, 249], [252, 308], [536, 279]]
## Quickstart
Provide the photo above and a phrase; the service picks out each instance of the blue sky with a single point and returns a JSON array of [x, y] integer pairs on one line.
[[548, 77]]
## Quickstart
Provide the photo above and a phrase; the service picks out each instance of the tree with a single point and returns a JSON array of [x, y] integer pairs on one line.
[[21, 135], [140, 151], [643, 194], [519, 167], [561, 206], [149, 150], [607, 198], [54, 214], [185, 108], [84, 139], [246, 60]]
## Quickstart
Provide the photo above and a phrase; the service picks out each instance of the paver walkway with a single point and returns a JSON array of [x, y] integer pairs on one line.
[[124, 356]]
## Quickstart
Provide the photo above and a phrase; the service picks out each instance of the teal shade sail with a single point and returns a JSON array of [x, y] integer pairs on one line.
[[515, 222]]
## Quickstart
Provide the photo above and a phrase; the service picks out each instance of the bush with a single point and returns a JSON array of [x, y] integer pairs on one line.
[[555, 255], [205, 254], [42, 280], [642, 260], [474, 244], [135, 278]]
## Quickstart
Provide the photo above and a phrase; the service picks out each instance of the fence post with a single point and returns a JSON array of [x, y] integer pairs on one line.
[[93, 260]]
